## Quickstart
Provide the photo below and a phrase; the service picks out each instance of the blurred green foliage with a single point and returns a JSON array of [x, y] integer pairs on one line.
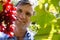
[[47, 16]]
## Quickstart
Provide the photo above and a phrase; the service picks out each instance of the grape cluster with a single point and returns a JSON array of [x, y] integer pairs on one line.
[[7, 18]]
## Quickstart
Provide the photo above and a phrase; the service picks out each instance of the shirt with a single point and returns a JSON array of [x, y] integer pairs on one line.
[[28, 36]]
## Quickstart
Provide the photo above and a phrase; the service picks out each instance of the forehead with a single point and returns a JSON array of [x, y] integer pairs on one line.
[[25, 8]]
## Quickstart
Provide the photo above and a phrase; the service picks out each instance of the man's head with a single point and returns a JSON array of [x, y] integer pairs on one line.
[[24, 12]]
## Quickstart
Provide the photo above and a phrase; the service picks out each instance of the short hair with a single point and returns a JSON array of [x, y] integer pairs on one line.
[[24, 2]]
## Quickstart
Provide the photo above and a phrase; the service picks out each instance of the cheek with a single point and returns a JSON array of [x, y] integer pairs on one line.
[[17, 14], [28, 20]]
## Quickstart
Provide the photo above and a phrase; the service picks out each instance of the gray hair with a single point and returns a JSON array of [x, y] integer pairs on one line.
[[23, 2]]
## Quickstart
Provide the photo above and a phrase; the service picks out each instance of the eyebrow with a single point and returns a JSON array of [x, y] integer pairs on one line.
[[33, 13], [19, 10], [29, 13]]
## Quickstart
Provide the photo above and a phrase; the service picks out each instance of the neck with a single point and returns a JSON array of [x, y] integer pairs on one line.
[[20, 31]]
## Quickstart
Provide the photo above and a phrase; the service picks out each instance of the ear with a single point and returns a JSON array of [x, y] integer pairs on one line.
[[34, 13]]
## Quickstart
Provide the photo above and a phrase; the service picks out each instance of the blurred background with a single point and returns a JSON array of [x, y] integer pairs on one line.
[[46, 20]]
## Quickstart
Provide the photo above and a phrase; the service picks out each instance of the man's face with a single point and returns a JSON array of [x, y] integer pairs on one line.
[[24, 12]]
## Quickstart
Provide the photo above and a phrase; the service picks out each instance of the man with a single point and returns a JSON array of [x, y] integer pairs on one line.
[[24, 12]]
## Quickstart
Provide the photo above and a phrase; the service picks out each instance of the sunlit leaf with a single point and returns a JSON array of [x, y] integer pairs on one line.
[[1, 7]]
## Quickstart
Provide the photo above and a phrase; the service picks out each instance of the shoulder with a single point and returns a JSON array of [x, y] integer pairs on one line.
[[30, 34], [3, 36]]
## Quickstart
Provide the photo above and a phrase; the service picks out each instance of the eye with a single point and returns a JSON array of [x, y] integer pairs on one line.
[[19, 11], [28, 14]]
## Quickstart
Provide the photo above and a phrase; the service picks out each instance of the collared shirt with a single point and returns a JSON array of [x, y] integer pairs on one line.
[[28, 36]]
